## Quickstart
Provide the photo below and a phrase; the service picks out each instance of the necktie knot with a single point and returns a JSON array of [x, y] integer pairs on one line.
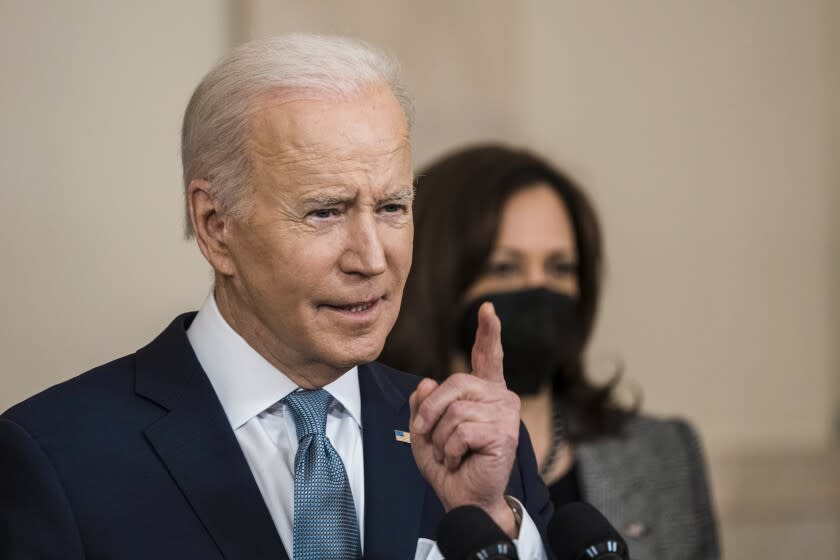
[[309, 410]]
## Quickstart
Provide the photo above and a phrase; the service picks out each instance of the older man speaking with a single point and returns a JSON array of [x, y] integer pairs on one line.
[[260, 427]]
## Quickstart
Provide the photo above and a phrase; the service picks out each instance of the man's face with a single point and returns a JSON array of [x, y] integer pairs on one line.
[[321, 259]]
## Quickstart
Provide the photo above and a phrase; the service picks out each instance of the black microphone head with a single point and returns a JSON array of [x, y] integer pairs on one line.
[[467, 532], [578, 531]]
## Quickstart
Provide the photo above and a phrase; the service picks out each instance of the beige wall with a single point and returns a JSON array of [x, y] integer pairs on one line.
[[702, 128], [702, 131], [460, 94], [91, 96], [832, 24]]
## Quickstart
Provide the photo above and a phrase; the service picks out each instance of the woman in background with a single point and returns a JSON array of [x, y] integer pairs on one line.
[[501, 225]]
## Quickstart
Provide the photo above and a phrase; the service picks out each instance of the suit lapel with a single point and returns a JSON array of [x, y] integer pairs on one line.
[[394, 488], [198, 447]]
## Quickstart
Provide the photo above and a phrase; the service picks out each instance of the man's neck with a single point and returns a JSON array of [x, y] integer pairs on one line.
[[307, 375]]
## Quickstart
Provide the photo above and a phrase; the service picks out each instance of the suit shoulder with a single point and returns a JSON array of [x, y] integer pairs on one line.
[[404, 380], [670, 454], [665, 448], [675, 438], [79, 395], [675, 431], [647, 440]]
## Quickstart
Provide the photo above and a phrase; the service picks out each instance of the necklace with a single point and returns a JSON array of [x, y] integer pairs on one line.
[[558, 434]]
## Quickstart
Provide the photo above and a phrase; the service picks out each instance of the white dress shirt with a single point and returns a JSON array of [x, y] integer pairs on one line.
[[250, 390]]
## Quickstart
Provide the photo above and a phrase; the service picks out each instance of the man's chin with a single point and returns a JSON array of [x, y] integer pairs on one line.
[[352, 360], [356, 353]]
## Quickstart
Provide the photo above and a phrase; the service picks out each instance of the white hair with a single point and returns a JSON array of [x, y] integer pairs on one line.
[[214, 133]]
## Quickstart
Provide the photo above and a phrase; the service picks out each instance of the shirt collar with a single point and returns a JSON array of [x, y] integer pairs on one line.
[[245, 382]]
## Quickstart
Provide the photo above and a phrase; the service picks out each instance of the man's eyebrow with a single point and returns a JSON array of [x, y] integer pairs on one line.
[[405, 194], [326, 199]]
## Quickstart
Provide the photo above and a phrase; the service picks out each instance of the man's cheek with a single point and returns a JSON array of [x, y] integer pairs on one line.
[[400, 247]]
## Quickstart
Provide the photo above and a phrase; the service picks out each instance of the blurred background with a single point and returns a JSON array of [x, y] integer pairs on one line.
[[706, 132]]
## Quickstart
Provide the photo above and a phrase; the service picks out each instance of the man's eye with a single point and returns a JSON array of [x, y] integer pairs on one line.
[[394, 208], [324, 213]]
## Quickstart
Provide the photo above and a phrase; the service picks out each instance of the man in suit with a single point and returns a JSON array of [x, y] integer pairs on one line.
[[260, 427]]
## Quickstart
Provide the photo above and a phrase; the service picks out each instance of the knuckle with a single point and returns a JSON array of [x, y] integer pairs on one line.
[[458, 380], [459, 409], [426, 409], [452, 462], [460, 434], [438, 439], [460, 437], [513, 401], [455, 446], [509, 440]]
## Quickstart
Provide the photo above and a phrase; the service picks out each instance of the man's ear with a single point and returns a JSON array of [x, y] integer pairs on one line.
[[210, 225]]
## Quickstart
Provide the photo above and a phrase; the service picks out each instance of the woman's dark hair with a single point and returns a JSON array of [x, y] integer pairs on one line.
[[457, 211]]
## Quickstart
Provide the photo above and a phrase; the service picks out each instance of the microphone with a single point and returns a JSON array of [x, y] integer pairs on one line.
[[578, 531], [468, 533]]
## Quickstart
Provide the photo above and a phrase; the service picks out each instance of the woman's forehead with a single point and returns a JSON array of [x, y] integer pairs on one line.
[[535, 218]]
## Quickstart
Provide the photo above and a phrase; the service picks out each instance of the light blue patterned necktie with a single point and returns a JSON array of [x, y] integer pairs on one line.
[[325, 522]]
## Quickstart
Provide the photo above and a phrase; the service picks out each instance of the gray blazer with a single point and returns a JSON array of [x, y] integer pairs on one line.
[[651, 484]]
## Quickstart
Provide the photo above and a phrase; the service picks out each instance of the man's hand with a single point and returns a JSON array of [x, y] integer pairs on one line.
[[464, 432]]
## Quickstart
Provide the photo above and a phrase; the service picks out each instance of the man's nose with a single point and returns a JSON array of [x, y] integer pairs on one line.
[[364, 253]]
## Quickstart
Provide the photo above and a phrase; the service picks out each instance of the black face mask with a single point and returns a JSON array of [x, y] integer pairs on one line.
[[539, 334]]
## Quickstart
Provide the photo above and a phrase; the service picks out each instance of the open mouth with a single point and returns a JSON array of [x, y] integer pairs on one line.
[[358, 308], [355, 308]]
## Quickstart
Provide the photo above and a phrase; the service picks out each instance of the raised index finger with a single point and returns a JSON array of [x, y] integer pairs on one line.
[[487, 350]]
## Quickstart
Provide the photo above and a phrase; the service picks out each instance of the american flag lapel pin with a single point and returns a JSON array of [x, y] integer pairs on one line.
[[404, 437]]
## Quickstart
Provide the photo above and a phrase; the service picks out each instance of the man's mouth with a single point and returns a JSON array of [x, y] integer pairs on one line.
[[356, 307]]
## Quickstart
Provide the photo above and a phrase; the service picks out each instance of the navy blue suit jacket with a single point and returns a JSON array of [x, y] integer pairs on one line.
[[136, 459]]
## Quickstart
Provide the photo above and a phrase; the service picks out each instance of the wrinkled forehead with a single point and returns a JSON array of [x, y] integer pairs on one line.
[[305, 125]]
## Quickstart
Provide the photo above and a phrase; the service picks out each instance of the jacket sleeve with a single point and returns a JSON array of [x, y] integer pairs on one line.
[[536, 497], [36, 520], [708, 546]]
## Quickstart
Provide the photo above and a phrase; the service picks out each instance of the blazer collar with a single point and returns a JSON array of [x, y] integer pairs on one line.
[[244, 381], [197, 444]]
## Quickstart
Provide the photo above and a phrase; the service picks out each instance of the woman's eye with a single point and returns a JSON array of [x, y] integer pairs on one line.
[[501, 268], [562, 268]]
